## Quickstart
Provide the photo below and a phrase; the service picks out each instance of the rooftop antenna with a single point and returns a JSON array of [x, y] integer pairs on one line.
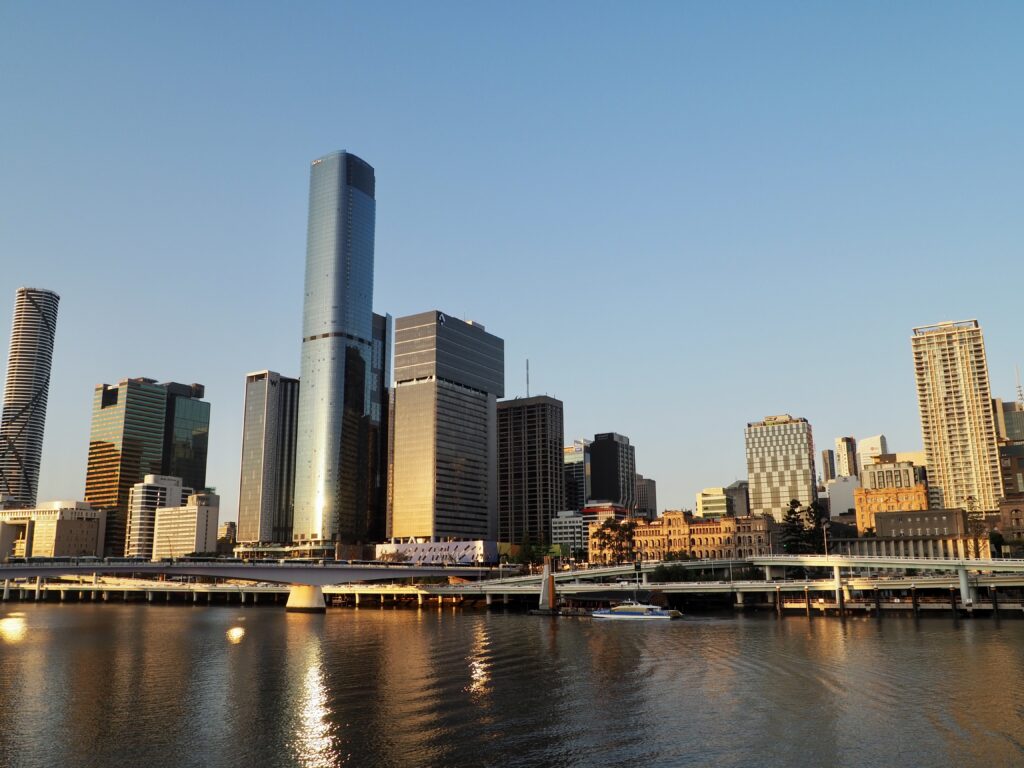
[[528, 378], [1020, 389]]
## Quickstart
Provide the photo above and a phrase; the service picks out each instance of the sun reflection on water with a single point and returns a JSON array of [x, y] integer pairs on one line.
[[235, 634], [13, 628], [479, 663], [315, 744]]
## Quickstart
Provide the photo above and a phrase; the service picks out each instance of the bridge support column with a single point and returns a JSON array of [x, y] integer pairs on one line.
[[62, 595], [807, 601], [306, 599], [255, 597], [739, 600], [778, 601], [840, 597], [995, 601], [913, 600], [7, 589], [965, 589], [489, 598], [504, 598], [149, 595], [356, 598], [39, 587], [419, 599], [195, 596]]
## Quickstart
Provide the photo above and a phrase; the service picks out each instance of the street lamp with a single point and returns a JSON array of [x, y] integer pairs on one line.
[[824, 529]]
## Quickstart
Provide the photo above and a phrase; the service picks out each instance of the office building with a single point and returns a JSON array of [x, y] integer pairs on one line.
[[227, 532], [889, 485], [187, 529], [448, 376], [25, 393], [828, 465], [142, 428], [569, 531], [266, 493], [646, 497], [379, 427], [780, 464], [153, 492], [186, 434], [869, 449], [680, 533], [576, 458], [613, 470], [841, 492], [54, 529], [739, 498], [531, 481], [957, 423], [332, 463], [846, 457], [712, 503], [933, 533]]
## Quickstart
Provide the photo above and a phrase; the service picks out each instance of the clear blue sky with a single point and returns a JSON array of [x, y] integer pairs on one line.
[[688, 216]]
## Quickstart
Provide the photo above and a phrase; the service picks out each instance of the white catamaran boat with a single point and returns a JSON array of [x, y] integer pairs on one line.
[[631, 610]]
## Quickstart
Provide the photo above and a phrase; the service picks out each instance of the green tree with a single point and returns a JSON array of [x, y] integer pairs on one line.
[[795, 533], [615, 540]]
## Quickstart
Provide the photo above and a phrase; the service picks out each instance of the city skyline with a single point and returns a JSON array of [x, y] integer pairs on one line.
[[244, 233]]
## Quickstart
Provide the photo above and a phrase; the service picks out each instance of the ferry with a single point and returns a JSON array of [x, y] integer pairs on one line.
[[631, 610]]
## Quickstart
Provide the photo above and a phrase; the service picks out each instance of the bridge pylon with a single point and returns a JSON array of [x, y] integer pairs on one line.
[[303, 598]]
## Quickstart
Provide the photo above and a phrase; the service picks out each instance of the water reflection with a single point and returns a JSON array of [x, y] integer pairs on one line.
[[235, 635], [479, 664], [314, 744], [13, 628]]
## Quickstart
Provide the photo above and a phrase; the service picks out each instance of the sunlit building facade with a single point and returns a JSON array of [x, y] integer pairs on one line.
[[25, 393], [187, 529], [332, 467], [576, 461], [780, 464], [153, 492]]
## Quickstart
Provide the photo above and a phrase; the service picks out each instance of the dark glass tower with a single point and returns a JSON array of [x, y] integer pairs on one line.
[[186, 434], [332, 470], [25, 393]]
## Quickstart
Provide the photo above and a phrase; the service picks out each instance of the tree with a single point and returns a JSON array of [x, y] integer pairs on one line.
[[614, 539], [996, 543], [794, 529]]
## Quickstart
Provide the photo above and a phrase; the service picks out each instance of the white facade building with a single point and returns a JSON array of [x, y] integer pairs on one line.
[[145, 498], [869, 449], [54, 529], [190, 528], [569, 530]]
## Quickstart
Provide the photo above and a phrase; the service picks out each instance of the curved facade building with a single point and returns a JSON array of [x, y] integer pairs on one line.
[[334, 423], [25, 394]]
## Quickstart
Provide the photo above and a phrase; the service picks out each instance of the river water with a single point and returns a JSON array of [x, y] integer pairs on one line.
[[139, 685]]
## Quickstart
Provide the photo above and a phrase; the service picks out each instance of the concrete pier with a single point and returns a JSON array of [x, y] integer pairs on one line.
[[306, 599]]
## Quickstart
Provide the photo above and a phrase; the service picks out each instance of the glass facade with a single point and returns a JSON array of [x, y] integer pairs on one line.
[[186, 434], [267, 487], [25, 393], [125, 445], [332, 473]]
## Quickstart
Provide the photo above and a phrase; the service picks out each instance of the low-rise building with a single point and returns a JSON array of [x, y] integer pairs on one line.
[[712, 503], [569, 531], [53, 529], [475, 552], [931, 533], [889, 484], [180, 531]]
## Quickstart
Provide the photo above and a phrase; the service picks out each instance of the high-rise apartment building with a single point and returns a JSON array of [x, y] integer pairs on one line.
[[153, 492], [828, 465], [333, 439], [448, 376], [957, 422], [576, 462], [613, 470], [646, 497], [846, 457], [780, 464], [531, 481], [266, 493], [136, 432], [25, 393]]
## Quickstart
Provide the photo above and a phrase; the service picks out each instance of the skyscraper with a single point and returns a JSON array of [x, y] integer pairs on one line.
[[332, 445], [146, 497], [613, 470], [448, 376], [25, 393], [531, 482], [136, 432], [576, 461], [957, 422], [869, 449], [646, 497], [828, 465], [266, 494], [780, 464], [846, 457]]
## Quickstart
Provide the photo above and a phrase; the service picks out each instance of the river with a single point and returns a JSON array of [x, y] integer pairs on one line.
[[139, 685]]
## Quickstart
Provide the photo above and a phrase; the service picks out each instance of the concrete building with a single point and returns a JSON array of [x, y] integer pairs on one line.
[[780, 464], [841, 495], [266, 494], [153, 492], [646, 497], [576, 460], [932, 533], [227, 532], [186, 529], [26, 390], [846, 457], [448, 376], [712, 503], [678, 533], [531, 476], [957, 423], [889, 485], [613, 470], [828, 465], [569, 531], [869, 449], [55, 529], [738, 494], [333, 449]]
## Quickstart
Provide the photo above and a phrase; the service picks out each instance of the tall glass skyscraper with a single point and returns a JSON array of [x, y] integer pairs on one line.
[[186, 434], [25, 393], [333, 444]]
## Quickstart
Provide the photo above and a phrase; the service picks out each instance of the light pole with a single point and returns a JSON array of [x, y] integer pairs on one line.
[[824, 529]]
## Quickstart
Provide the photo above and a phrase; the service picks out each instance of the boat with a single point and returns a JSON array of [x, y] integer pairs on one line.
[[632, 610]]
